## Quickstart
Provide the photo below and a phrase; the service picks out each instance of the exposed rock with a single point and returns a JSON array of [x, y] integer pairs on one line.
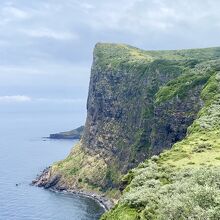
[[52, 183], [43, 178]]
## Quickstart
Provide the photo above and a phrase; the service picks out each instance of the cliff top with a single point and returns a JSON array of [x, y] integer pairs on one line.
[[125, 52]]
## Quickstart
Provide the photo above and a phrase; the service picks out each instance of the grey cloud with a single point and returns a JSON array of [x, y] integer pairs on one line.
[[52, 33], [68, 30]]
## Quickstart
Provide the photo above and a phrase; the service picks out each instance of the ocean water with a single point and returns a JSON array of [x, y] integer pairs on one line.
[[24, 154]]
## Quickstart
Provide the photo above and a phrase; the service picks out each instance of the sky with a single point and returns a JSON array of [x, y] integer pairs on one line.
[[46, 46]]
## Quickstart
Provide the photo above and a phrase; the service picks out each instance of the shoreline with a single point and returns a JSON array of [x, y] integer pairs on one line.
[[105, 203], [40, 182]]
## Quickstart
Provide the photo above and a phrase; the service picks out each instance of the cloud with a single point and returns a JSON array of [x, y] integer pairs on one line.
[[86, 5], [64, 33], [14, 99], [19, 70], [10, 12], [25, 99], [49, 33], [44, 69], [61, 101], [143, 17]]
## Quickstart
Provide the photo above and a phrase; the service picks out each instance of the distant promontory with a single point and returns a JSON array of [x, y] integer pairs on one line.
[[73, 134]]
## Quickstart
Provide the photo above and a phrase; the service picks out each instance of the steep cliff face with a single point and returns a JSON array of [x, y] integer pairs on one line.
[[123, 122], [139, 103], [181, 183]]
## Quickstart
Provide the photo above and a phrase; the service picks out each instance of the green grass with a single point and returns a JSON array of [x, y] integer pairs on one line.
[[114, 56], [80, 169], [122, 212], [182, 183], [179, 87]]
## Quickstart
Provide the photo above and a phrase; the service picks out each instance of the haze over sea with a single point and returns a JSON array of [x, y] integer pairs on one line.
[[25, 119]]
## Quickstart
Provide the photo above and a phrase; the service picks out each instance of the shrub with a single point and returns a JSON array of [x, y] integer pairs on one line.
[[155, 158], [194, 197], [202, 147], [187, 194]]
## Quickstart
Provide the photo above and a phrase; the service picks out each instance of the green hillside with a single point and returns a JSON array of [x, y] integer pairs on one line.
[[184, 182]]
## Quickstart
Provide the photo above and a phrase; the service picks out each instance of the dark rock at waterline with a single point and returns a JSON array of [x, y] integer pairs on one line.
[[47, 181], [73, 134], [43, 179], [52, 182]]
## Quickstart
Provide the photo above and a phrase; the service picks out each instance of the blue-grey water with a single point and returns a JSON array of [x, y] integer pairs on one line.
[[23, 154]]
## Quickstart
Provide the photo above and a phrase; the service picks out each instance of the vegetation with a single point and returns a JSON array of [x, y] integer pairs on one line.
[[158, 92], [159, 192], [81, 168], [181, 183]]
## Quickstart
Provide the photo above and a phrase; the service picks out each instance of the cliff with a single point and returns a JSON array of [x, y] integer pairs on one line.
[[181, 183], [73, 134], [139, 104]]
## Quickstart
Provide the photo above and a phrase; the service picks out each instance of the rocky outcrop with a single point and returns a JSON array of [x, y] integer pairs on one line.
[[73, 134], [139, 103]]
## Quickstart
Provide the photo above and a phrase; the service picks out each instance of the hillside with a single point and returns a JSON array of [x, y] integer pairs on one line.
[[181, 183], [142, 103]]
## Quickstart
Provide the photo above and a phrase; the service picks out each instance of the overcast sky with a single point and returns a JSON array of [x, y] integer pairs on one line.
[[46, 45]]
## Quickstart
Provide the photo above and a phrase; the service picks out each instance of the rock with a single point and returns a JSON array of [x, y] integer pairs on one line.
[[52, 182], [42, 179]]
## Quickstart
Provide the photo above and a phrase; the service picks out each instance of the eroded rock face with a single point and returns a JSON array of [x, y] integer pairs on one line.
[[124, 122], [171, 120]]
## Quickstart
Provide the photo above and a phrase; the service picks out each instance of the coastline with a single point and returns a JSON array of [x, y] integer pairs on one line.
[[107, 204], [40, 182]]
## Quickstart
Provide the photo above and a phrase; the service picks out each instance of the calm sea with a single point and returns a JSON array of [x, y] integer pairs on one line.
[[23, 154]]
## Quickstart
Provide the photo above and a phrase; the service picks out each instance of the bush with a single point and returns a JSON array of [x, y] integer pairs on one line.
[[187, 194], [202, 147], [195, 197], [155, 158]]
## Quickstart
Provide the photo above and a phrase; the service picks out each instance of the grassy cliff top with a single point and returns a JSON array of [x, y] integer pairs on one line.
[[113, 55]]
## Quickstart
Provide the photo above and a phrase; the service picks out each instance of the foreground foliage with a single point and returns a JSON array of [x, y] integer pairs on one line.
[[184, 182], [161, 193]]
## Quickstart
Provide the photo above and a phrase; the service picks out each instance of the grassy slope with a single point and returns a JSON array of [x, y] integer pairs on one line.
[[117, 55], [165, 187]]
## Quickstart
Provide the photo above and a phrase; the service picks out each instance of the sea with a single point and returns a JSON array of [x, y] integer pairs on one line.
[[24, 153]]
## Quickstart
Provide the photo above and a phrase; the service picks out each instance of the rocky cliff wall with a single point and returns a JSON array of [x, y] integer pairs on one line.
[[139, 104]]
